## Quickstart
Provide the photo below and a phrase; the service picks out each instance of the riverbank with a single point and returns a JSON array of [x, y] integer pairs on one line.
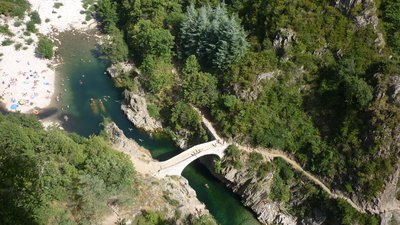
[[27, 81]]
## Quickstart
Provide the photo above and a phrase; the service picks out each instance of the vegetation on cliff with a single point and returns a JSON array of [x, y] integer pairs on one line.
[[308, 83], [51, 177]]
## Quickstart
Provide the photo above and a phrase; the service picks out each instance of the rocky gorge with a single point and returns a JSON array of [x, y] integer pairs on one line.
[[171, 195]]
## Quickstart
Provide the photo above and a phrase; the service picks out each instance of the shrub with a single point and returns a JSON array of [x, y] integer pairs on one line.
[[17, 23], [14, 7], [29, 41], [57, 5], [35, 18], [30, 27], [4, 30], [45, 47], [18, 46], [7, 42]]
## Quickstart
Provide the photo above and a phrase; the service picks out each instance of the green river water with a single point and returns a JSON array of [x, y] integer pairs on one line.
[[82, 78]]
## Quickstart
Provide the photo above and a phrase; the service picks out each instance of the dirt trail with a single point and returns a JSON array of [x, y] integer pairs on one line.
[[273, 153]]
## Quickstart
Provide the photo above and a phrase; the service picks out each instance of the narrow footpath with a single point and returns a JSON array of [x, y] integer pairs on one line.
[[273, 153]]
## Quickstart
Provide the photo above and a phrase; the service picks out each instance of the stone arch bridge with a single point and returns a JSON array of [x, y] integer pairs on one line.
[[176, 164]]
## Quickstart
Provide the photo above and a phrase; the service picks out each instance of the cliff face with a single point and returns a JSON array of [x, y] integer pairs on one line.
[[136, 111], [171, 195], [255, 191]]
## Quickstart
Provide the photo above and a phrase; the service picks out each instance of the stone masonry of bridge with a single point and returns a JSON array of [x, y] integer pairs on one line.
[[177, 164]]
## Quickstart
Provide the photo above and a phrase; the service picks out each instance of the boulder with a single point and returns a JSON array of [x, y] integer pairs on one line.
[[115, 70]]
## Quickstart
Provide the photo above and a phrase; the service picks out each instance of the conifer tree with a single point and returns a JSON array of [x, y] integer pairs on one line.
[[213, 36]]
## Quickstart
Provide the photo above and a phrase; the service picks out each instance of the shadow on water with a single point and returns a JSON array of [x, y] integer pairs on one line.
[[84, 80]]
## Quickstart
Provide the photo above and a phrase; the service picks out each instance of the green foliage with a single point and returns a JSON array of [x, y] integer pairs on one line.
[[147, 39], [183, 116], [107, 10], [283, 176], [30, 27], [57, 5], [45, 47], [198, 87], [14, 7], [29, 41], [171, 201], [5, 30], [391, 19], [157, 74], [35, 18], [233, 151], [50, 176], [255, 160], [7, 42], [115, 47], [202, 220], [213, 36], [150, 218], [18, 46], [154, 111]]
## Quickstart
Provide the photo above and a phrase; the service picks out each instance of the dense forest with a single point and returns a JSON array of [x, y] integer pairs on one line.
[[302, 76], [306, 77], [51, 177]]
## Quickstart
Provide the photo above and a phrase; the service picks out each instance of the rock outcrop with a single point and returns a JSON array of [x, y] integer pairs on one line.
[[283, 41], [368, 15], [136, 111], [254, 192], [115, 70], [256, 88], [170, 195]]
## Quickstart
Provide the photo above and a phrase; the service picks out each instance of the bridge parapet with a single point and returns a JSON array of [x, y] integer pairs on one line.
[[177, 164]]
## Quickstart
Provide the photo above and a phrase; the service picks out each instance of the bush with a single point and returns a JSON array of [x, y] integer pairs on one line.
[[7, 42], [14, 7], [45, 47], [30, 27], [17, 23], [18, 46], [29, 41], [4, 30], [57, 5], [35, 18]]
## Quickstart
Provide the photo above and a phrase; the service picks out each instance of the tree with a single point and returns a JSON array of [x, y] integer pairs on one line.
[[107, 10], [146, 39], [198, 88], [214, 37], [115, 47], [157, 74], [184, 117], [45, 47]]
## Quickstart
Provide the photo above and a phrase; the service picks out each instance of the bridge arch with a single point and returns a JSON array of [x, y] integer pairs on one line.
[[177, 164]]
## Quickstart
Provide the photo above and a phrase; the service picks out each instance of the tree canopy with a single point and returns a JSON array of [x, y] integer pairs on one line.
[[213, 36], [51, 177]]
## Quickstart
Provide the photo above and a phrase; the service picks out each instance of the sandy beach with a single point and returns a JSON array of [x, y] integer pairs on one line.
[[27, 82]]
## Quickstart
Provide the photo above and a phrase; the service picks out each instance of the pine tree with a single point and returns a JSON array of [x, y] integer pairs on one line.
[[213, 36]]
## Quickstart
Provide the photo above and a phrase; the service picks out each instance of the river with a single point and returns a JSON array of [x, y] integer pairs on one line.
[[83, 81]]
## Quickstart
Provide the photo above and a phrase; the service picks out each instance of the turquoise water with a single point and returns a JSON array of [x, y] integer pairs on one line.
[[83, 78]]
